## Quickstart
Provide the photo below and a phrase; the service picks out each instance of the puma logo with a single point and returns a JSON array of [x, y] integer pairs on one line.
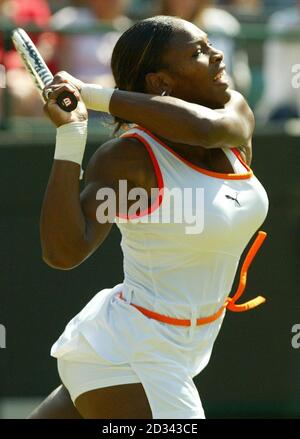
[[229, 197]]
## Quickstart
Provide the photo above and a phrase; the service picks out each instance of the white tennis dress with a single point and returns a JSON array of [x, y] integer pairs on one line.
[[173, 271]]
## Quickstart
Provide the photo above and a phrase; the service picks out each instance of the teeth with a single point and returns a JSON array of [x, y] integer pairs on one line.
[[219, 76]]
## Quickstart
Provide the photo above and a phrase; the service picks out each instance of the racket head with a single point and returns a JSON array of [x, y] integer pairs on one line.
[[32, 59]]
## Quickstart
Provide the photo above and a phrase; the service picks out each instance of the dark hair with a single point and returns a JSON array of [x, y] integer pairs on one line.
[[139, 51]]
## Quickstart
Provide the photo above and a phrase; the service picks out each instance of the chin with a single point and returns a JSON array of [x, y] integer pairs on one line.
[[222, 98], [216, 100], [227, 95]]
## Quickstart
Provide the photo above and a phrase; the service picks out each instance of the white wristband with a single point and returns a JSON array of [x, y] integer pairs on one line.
[[96, 97], [71, 141]]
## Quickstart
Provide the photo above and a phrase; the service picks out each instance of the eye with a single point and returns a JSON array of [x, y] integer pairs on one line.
[[197, 53]]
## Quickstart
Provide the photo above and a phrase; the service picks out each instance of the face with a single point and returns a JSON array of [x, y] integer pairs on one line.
[[196, 70]]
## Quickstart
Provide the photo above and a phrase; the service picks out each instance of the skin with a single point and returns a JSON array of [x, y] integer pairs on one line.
[[203, 113], [208, 115], [117, 402]]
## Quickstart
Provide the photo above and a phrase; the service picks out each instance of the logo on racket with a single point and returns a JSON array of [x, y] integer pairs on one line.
[[67, 102]]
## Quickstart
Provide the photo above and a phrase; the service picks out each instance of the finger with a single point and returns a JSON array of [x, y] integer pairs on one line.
[[65, 87], [55, 90], [59, 77], [47, 92], [46, 110]]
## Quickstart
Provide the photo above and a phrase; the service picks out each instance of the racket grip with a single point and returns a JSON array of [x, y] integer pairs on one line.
[[67, 101]]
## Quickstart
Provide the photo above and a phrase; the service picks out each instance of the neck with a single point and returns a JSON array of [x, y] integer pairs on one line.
[[187, 151]]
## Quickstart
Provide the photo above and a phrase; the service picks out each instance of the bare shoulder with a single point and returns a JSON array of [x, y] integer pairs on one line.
[[119, 159], [244, 111], [241, 105]]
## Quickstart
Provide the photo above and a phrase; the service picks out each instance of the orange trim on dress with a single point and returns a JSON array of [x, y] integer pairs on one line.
[[213, 174], [230, 302], [157, 202], [238, 155]]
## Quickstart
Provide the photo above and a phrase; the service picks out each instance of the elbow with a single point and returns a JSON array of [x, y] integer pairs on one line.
[[207, 133], [61, 262], [218, 134]]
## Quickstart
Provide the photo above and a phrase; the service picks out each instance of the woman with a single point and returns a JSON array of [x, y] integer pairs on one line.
[[133, 350], [223, 29]]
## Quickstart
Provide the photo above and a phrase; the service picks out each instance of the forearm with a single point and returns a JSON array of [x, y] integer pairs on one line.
[[171, 118], [168, 117], [174, 119], [62, 224]]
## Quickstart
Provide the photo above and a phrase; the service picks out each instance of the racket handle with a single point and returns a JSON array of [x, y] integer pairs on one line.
[[67, 101]]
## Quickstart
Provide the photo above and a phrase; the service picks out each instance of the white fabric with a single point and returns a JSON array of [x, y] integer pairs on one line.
[[159, 258], [171, 392], [234, 161], [166, 270], [71, 142], [164, 372], [96, 97]]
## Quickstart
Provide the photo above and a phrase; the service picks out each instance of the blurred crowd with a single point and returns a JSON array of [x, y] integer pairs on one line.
[[79, 36]]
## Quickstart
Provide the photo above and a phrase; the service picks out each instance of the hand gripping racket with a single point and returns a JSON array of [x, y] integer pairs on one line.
[[38, 69]]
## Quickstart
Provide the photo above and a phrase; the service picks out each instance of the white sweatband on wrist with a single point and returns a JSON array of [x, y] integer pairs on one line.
[[71, 142], [96, 97]]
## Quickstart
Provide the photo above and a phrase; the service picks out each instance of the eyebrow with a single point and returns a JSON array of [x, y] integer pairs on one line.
[[199, 40]]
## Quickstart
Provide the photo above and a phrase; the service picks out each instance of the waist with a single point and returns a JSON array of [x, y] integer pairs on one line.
[[229, 302]]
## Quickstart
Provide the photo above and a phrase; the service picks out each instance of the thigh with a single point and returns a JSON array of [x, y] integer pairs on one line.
[[170, 390], [125, 401], [58, 405]]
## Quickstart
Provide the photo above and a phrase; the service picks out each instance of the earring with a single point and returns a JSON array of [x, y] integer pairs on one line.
[[164, 93]]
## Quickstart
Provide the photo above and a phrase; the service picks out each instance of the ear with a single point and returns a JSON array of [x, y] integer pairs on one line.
[[157, 83]]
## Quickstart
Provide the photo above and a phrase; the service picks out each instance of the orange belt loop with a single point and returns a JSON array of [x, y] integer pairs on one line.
[[243, 279]]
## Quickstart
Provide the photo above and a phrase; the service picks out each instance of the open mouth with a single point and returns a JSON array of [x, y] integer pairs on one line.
[[220, 75]]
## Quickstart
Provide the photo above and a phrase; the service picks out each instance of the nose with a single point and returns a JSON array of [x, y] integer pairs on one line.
[[216, 55]]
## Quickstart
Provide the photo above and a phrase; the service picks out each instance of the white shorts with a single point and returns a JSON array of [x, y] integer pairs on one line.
[[111, 343], [171, 395]]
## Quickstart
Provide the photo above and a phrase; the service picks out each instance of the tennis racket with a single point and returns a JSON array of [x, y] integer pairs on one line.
[[38, 69]]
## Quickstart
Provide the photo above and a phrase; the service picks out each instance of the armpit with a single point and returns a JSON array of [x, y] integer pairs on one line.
[[246, 154]]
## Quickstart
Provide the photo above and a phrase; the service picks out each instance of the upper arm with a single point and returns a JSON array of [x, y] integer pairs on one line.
[[246, 152], [101, 173], [235, 124], [230, 127], [243, 114], [113, 161]]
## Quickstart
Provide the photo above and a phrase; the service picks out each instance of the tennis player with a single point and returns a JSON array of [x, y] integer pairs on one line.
[[133, 351]]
